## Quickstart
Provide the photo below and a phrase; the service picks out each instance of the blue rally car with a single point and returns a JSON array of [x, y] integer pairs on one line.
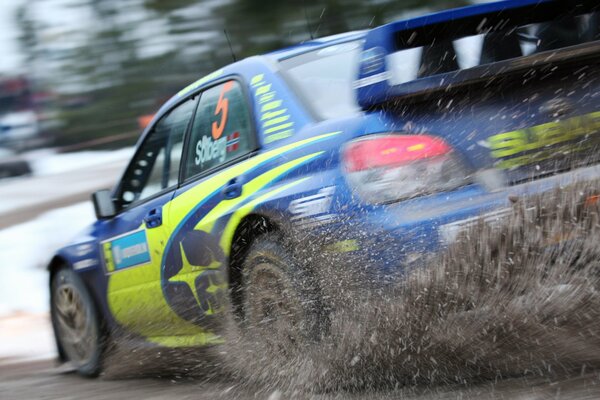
[[408, 132]]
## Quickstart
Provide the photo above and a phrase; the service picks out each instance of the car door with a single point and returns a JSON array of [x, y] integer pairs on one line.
[[221, 136], [133, 241]]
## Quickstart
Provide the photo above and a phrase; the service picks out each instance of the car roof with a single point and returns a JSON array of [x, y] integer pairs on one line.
[[315, 44]]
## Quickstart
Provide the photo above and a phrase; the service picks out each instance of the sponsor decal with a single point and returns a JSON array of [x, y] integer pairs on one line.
[[233, 142], [197, 258], [371, 80], [208, 149], [216, 146], [85, 263], [223, 110], [127, 251], [314, 209], [542, 142], [372, 60], [449, 232], [83, 249]]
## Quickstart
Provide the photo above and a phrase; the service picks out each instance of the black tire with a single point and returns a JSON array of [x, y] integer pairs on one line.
[[76, 323], [282, 303]]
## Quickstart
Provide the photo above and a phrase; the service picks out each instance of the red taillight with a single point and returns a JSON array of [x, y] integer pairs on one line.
[[387, 168], [384, 151]]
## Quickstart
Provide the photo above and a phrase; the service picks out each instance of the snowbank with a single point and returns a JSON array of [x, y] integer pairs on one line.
[[60, 179], [48, 162], [25, 250], [26, 337]]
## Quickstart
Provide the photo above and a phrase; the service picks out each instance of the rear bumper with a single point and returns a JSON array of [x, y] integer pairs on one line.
[[397, 236]]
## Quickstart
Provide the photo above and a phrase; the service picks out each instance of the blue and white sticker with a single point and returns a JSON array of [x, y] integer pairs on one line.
[[130, 250]]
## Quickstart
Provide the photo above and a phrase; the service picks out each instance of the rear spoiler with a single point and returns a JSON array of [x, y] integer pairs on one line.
[[375, 84]]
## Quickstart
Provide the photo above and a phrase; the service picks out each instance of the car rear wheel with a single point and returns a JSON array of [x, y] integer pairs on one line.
[[282, 306], [76, 323]]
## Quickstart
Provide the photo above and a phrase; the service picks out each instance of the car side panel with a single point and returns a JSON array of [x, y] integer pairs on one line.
[[179, 304]]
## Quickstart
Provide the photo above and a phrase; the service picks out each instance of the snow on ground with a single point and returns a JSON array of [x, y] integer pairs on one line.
[[59, 179], [48, 162], [26, 337], [26, 249]]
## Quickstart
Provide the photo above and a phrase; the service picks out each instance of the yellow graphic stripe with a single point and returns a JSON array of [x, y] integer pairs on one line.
[[275, 121], [182, 204], [246, 209], [278, 136], [201, 337], [249, 189], [271, 105], [257, 79], [188, 340], [263, 89], [265, 98], [273, 114], [279, 128]]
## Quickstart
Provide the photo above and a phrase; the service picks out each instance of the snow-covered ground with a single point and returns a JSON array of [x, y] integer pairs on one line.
[[26, 249], [26, 337], [48, 162], [58, 176], [33, 228]]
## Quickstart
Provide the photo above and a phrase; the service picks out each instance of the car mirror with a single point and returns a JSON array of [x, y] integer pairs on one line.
[[104, 206]]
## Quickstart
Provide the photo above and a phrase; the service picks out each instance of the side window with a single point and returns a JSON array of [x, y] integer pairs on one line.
[[156, 164], [221, 130]]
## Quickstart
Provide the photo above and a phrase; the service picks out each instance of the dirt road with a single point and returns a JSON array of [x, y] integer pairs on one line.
[[44, 380]]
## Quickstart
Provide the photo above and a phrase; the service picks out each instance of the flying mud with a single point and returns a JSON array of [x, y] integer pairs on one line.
[[511, 298]]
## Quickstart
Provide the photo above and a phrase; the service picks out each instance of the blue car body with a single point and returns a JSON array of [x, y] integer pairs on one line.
[[296, 177]]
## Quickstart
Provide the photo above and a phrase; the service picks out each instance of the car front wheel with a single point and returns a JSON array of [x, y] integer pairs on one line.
[[75, 322]]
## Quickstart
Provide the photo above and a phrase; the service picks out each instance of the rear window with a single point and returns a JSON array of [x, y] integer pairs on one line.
[[451, 48], [324, 78]]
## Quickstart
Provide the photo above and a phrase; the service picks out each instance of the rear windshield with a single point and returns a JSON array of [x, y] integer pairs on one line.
[[324, 78], [434, 52]]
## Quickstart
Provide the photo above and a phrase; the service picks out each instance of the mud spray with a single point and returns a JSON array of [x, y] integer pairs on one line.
[[517, 297], [512, 298]]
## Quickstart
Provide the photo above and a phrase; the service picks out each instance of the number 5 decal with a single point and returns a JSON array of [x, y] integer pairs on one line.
[[223, 109]]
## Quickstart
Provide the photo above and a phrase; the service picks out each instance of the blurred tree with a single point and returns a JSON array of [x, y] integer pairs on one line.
[[27, 38], [162, 6], [119, 59]]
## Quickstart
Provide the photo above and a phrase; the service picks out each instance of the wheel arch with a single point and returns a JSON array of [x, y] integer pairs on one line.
[[55, 264]]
